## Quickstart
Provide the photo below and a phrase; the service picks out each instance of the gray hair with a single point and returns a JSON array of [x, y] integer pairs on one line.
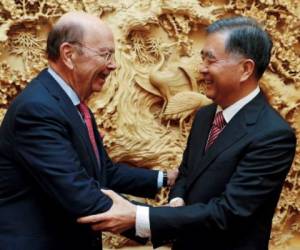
[[247, 38]]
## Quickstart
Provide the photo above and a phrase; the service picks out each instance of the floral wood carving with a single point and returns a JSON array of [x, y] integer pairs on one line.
[[147, 106]]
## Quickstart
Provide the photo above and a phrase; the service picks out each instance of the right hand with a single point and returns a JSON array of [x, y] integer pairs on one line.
[[119, 218]]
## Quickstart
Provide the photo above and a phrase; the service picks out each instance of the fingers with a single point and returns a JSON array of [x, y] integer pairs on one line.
[[96, 218], [172, 176], [176, 205], [99, 222], [177, 202], [101, 226], [111, 194], [108, 226]]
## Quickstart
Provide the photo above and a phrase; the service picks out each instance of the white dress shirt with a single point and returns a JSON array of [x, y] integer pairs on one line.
[[142, 223], [66, 88]]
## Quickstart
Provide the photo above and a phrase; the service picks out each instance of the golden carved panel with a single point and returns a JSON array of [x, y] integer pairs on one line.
[[147, 106]]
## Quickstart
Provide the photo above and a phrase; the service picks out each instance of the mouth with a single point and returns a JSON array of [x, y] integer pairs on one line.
[[208, 81]]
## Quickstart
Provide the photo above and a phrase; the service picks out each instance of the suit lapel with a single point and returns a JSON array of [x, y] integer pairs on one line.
[[200, 132], [69, 109], [204, 127], [232, 133]]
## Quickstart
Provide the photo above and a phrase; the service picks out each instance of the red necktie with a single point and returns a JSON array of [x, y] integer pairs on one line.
[[217, 127], [83, 109]]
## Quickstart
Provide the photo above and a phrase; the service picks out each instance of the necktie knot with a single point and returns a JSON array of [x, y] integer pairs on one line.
[[219, 120], [84, 111], [217, 127]]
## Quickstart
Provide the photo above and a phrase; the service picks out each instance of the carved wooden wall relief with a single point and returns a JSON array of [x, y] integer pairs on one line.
[[147, 106]]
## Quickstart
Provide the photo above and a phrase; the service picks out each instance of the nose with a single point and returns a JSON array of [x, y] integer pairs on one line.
[[203, 68], [112, 64]]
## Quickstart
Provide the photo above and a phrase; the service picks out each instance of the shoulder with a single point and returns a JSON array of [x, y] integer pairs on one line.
[[272, 129], [35, 95], [35, 104], [205, 110], [272, 120]]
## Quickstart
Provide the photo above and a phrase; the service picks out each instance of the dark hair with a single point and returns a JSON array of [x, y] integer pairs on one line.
[[72, 33], [247, 38]]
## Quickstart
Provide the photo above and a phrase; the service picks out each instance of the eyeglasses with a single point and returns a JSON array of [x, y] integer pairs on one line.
[[106, 55]]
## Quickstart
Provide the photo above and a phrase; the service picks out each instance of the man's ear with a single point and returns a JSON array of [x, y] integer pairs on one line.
[[66, 51], [247, 69]]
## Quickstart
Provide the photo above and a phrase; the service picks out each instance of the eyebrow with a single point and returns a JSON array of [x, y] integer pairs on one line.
[[205, 53], [105, 49]]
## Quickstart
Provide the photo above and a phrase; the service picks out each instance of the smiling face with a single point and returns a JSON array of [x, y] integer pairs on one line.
[[93, 61], [221, 71]]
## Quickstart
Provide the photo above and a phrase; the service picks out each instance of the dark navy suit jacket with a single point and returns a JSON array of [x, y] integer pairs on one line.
[[49, 174], [232, 189]]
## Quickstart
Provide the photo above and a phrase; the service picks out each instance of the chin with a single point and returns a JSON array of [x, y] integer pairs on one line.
[[209, 94]]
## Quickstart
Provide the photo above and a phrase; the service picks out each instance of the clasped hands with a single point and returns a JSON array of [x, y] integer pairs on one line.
[[121, 216]]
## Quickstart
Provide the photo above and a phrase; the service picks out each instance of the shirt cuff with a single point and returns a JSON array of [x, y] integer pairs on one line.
[[142, 222], [160, 179]]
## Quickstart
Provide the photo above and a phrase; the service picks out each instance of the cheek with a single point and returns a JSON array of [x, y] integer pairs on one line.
[[223, 75], [93, 67], [100, 66], [215, 71]]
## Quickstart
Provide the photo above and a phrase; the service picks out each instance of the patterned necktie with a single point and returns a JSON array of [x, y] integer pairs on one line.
[[84, 111], [217, 127]]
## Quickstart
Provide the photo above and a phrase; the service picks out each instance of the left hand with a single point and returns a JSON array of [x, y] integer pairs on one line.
[[176, 202], [119, 218], [172, 176]]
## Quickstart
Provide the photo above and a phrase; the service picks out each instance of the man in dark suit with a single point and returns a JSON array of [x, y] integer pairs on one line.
[[238, 154], [52, 160]]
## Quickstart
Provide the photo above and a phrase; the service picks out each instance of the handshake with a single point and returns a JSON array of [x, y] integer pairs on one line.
[[122, 215]]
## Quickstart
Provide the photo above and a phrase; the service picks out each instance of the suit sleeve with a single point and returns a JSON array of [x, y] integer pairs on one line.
[[127, 179], [258, 178], [131, 180], [180, 186], [43, 149]]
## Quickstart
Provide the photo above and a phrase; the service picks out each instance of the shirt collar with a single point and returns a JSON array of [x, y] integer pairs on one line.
[[232, 110], [67, 89]]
